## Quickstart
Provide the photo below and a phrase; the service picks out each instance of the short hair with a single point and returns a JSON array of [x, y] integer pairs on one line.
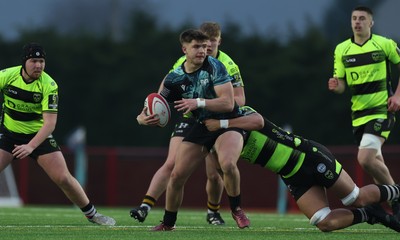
[[364, 9], [212, 29], [189, 35]]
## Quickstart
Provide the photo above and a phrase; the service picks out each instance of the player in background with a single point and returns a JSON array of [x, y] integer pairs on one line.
[[215, 185], [28, 119], [363, 62], [310, 170]]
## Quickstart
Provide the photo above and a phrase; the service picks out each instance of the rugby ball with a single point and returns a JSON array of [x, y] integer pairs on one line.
[[156, 104]]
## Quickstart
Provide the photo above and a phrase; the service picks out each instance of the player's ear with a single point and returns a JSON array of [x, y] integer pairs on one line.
[[372, 23], [184, 49]]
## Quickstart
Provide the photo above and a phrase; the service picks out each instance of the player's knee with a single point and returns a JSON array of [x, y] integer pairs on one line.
[[369, 142], [320, 220], [177, 180], [213, 177], [228, 167], [63, 180], [328, 225]]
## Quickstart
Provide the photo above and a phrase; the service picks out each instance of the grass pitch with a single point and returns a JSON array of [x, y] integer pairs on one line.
[[42, 222]]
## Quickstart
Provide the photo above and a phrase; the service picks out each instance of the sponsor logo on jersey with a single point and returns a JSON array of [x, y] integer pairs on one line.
[[37, 97], [378, 125], [329, 174], [321, 168], [204, 82], [53, 143]]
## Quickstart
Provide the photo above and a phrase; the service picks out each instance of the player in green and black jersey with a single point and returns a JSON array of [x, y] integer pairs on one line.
[[28, 119], [363, 64], [309, 169]]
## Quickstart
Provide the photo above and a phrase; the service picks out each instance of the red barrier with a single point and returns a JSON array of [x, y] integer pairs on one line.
[[120, 177]]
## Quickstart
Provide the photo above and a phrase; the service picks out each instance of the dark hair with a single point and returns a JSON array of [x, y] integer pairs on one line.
[[364, 9], [212, 29], [192, 34]]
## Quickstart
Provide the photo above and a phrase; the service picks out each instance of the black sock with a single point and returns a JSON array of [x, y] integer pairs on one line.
[[170, 218], [389, 192], [89, 210], [360, 216], [234, 202]]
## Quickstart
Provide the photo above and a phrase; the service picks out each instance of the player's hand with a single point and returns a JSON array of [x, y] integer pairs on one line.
[[151, 120], [22, 151], [394, 103], [333, 84], [212, 124], [186, 105]]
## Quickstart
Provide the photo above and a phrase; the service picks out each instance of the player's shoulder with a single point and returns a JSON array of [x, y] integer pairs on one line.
[[48, 81], [11, 70], [384, 41], [222, 56], [226, 60], [344, 44], [380, 38]]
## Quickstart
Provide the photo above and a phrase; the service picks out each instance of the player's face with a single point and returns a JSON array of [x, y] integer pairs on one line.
[[34, 67], [214, 42], [361, 23], [195, 51]]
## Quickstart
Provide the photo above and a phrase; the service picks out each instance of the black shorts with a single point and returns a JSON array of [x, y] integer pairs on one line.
[[379, 127], [319, 168], [200, 135], [183, 126], [9, 139]]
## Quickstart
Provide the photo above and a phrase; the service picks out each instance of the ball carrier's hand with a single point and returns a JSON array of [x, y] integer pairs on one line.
[[150, 120], [188, 105]]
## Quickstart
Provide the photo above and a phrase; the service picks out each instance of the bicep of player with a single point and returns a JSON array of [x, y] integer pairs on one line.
[[224, 102]]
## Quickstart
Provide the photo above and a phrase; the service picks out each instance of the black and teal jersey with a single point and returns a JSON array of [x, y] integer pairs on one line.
[[275, 149], [231, 67], [200, 84], [25, 102], [366, 69]]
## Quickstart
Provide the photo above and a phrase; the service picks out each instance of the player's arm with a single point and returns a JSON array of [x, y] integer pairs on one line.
[[49, 124], [337, 84], [239, 95], [249, 122], [224, 102], [394, 101]]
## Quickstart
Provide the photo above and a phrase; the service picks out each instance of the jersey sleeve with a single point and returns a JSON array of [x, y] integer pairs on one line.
[[178, 63], [232, 68], [394, 52], [50, 95], [220, 76], [338, 66]]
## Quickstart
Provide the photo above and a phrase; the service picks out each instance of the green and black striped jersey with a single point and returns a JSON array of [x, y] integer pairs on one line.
[[366, 69], [25, 102]]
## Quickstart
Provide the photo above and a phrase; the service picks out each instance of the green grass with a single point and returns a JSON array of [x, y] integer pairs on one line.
[[37, 222]]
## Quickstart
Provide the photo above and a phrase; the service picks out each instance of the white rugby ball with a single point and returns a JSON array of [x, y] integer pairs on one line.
[[156, 104]]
